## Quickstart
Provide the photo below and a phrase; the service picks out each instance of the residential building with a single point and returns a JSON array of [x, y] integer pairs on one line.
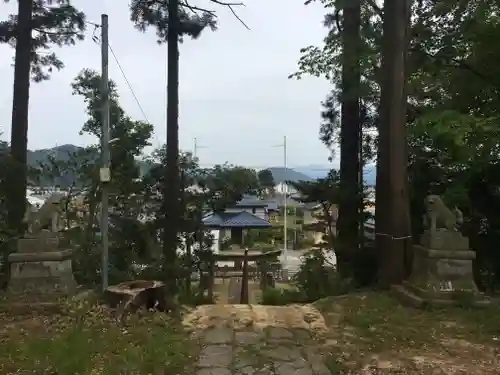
[[284, 187], [232, 224], [252, 205]]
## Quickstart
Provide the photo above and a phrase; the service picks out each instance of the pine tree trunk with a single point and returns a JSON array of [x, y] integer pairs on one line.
[[172, 177], [17, 171], [348, 221], [392, 184]]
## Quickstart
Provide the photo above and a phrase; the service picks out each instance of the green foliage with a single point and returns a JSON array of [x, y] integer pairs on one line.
[[318, 279], [227, 184], [192, 20], [326, 193], [266, 180], [132, 242], [129, 137], [54, 22], [325, 61], [86, 340], [281, 297], [453, 108], [456, 155]]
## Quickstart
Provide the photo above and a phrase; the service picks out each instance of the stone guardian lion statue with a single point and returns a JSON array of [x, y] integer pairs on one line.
[[439, 217], [48, 216]]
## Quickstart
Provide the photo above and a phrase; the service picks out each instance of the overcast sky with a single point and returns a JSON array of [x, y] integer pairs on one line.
[[235, 97]]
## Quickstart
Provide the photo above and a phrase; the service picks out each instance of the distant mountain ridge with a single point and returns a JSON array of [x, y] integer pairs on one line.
[[280, 174], [321, 171]]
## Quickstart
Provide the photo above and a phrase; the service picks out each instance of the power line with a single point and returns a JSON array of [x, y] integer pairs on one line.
[[128, 84], [97, 40]]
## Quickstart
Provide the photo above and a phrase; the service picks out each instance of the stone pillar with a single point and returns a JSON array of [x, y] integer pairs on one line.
[[41, 267], [442, 270]]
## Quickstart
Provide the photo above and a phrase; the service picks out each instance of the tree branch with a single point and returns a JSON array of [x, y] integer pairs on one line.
[[196, 9], [230, 6], [56, 32]]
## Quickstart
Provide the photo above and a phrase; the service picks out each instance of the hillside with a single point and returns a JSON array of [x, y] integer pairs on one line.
[[320, 171], [59, 153], [281, 174]]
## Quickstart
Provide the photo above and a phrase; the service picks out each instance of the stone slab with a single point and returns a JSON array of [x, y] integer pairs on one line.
[[286, 368], [218, 335], [244, 338], [214, 371], [316, 362], [40, 257], [444, 240], [216, 356], [45, 241], [280, 335], [250, 370], [285, 354], [253, 352]]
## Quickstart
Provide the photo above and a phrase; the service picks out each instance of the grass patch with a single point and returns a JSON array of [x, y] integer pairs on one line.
[[281, 296], [374, 327], [89, 341], [384, 323]]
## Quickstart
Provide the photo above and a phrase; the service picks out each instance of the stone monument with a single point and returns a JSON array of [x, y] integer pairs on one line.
[[41, 266], [442, 263]]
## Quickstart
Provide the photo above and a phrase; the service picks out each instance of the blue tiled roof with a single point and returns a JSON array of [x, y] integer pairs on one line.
[[272, 205], [235, 220], [251, 201], [214, 220]]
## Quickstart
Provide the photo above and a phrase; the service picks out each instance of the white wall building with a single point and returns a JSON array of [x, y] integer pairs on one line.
[[283, 188]]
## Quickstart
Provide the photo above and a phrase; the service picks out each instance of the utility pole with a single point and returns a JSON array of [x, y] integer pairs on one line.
[[104, 172], [196, 147], [285, 214]]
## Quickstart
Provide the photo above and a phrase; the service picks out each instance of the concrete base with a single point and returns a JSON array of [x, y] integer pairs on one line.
[[442, 275], [39, 270], [407, 295], [441, 272]]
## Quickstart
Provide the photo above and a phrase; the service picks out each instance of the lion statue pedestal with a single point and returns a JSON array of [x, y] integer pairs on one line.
[[41, 268], [442, 264]]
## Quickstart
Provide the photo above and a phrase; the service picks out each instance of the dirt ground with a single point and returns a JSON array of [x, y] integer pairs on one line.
[[365, 334], [372, 333]]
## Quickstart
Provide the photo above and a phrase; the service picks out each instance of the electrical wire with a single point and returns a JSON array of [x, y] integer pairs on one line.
[[129, 84], [97, 40]]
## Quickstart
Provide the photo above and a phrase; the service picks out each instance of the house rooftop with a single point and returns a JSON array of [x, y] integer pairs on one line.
[[235, 220], [250, 201]]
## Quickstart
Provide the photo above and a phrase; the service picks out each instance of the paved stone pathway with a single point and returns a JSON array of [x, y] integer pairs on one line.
[[260, 340]]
